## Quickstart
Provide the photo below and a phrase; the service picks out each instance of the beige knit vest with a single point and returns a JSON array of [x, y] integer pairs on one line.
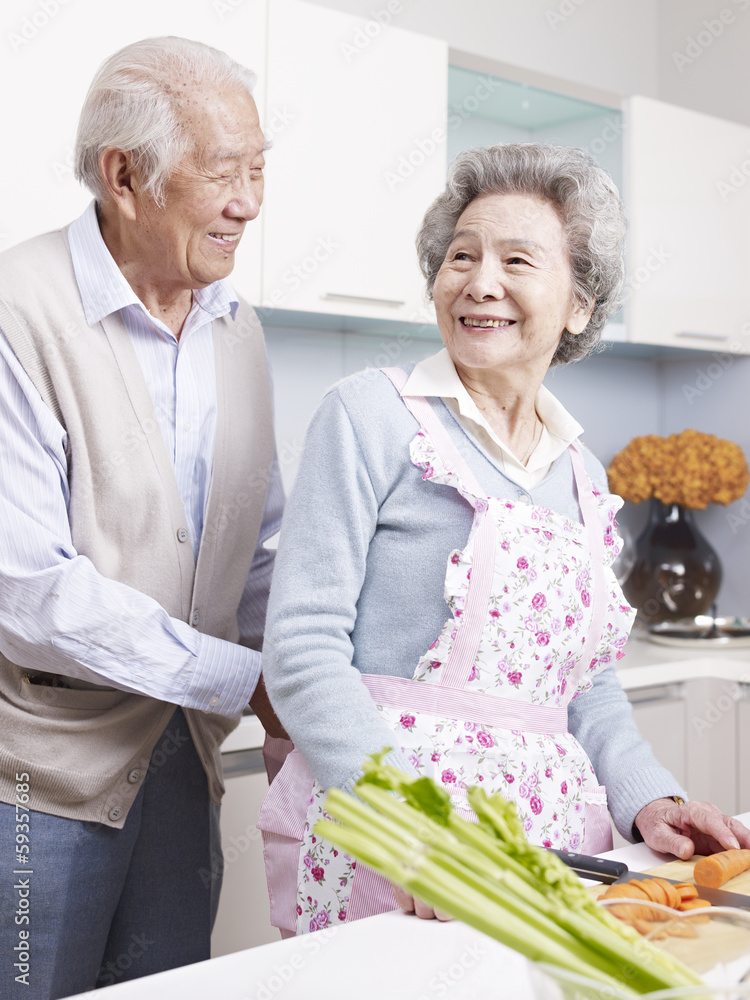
[[80, 745]]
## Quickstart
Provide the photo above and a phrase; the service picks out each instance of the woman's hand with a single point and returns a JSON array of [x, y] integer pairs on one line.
[[411, 905], [689, 828]]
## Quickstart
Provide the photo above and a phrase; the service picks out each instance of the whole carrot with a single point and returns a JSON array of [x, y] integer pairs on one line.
[[717, 869]]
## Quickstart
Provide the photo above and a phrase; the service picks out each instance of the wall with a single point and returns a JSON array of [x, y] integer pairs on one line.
[[702, 59]]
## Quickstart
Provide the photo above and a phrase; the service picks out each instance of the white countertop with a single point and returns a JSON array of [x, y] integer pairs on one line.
[[392, 956]]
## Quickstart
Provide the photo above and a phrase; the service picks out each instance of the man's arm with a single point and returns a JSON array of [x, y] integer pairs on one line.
[[58, 614]]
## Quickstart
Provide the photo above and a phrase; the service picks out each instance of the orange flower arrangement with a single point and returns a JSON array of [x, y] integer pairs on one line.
[[691, 469]]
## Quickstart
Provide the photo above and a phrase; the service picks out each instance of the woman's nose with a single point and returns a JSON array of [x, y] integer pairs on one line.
[[486, 281]]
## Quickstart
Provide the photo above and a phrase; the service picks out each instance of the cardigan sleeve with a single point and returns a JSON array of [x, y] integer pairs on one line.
[[329, 521]]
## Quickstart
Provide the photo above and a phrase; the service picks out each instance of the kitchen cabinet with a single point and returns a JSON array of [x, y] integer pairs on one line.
[[359, 154], [661, 716], [688, 201], [243, 919]]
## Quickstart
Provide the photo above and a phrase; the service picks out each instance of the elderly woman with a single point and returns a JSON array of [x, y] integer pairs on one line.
[[443, 583]]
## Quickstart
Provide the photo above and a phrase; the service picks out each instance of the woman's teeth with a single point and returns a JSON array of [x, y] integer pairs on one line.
[[222, 236], [468, 321]]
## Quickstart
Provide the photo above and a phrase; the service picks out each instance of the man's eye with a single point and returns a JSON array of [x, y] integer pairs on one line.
[[517, 260]]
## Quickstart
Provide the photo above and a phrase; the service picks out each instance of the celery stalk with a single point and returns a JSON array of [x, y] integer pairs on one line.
[[490, 876]]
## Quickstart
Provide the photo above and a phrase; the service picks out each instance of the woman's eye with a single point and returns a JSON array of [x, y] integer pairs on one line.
[[517, 260], [461, 255]]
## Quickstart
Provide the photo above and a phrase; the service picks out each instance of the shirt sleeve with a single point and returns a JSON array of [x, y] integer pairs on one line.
[[330, 519], [602, 721], [57, 613]]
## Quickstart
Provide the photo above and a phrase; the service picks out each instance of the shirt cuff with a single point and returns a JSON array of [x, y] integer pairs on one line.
[[224, 677]]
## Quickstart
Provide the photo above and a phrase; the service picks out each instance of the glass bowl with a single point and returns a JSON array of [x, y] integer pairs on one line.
[[714, 942]]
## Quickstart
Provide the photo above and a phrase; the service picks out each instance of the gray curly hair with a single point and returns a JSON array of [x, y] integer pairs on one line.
[[132, 104], [586, 200]]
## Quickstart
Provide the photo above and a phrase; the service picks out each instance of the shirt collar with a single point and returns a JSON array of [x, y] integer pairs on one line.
[[104, 288], [437, 376]]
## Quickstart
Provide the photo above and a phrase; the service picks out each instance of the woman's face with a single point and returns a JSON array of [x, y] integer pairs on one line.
[[503, 295]]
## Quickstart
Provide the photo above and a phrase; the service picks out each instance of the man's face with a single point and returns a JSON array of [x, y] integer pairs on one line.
[[216, 189]]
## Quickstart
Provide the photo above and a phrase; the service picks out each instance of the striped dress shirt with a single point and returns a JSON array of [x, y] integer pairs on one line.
[[166, 658]]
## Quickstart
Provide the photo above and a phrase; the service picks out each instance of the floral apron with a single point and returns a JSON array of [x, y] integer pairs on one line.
[[536, 614]]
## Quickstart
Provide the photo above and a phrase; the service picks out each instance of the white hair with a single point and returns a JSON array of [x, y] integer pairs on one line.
[[586, 200], [132, 105]]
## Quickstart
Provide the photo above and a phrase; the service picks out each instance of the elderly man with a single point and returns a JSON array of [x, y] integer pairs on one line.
[[138, 484]]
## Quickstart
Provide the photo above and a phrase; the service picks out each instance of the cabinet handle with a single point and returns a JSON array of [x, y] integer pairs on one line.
[[703, 336], [338, 297]]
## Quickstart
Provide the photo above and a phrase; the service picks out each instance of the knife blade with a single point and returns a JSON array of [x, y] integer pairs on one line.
[[612, 872]]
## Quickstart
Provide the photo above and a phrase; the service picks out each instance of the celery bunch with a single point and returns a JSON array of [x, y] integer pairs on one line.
[[489, 875]]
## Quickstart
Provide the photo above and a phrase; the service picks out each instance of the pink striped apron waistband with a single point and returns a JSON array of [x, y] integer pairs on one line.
[[456, 703]]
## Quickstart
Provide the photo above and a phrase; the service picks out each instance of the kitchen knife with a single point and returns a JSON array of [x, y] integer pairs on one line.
[[611, 872]]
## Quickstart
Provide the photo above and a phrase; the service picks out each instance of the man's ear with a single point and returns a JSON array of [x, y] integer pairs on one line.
[[117, 172]]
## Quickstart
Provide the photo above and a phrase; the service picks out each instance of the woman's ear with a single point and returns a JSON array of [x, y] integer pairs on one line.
[[579, 318]]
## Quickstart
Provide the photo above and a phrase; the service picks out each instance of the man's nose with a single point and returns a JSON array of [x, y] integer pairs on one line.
[[248, 197]]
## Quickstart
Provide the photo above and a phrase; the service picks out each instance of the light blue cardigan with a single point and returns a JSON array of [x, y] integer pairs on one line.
[[358, 588]]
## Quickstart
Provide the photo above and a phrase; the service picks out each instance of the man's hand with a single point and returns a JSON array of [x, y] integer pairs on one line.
[[411, 905], [261, 705], [690, 828]]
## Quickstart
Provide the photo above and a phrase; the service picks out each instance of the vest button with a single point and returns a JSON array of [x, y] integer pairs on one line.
[[196, 617], [135, 775], [115, 813], [182, 535]]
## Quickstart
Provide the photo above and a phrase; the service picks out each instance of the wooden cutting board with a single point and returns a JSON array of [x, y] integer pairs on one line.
[[682, 871]]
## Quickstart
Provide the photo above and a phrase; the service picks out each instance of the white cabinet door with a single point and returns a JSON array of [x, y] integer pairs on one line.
[[743, 750], [243, 920], [357, 111], [688, 196], [660, 714]]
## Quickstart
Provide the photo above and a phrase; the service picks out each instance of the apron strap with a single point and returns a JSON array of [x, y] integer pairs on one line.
[[599, 597], [444, 444], [460, 663], [469, 706]]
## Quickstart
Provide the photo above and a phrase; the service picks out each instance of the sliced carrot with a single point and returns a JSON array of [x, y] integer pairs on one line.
[[717, 869], [673, 896], [655, 891], [686, 891]]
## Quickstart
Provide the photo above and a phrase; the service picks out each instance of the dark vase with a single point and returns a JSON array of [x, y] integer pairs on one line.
[[676, 573]]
